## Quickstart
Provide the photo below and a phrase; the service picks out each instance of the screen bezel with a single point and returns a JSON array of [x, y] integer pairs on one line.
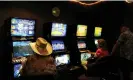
[[58, 23], [23, 19]]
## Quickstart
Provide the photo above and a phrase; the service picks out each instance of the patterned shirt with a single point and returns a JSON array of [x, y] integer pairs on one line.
[[126, 45], [39, 65]]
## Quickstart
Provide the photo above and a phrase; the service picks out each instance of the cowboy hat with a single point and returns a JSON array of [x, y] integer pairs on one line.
[[41, 43]]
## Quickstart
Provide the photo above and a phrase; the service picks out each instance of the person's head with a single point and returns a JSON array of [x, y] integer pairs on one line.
[[102, 44], [124, 28], [41, 47]]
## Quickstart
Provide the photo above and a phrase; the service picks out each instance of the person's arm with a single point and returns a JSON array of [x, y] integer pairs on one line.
[[98, 53], [115, 48], [52, 62], [25, 66], [88, 51], [119, 42]]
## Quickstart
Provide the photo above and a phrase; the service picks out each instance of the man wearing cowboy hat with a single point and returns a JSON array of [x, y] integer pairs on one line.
[[40, 63]]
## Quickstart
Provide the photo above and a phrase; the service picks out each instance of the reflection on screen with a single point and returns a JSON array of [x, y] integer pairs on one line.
[[85, 56], [22, 27], [81, 30], [17, 68], [62, 59], [81, 44], [58, 29], [98, 31], [21, 49], [58, 45]]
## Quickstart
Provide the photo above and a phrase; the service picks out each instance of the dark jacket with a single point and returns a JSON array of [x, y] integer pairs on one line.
[[39, 65]]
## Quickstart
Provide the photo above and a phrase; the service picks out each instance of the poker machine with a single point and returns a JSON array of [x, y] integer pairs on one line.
[[56, 35], [97, 35], [22, 33], [81, 34]]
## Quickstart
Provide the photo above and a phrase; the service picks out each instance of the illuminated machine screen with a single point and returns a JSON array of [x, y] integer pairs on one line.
[[62, 59], [98, 31], [96, 41], [21, 49], [58, 45], [58, 29], [81, 30], [17, 68], [85, 56], [81, 45], [22, 27]]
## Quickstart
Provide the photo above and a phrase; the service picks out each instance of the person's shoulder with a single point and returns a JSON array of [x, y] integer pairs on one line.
[[126, 32], [50, 57], [31, 57], [99, 49], [123, 33]]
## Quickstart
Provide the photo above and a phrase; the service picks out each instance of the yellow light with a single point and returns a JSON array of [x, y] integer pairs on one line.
[[81, 30], [86, 4], [54, 11], [129, 1], [98, 31], [98, 1]]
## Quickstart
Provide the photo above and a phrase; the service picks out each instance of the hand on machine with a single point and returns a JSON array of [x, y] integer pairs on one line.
[[24, 59], [92, 53], [88, 51]]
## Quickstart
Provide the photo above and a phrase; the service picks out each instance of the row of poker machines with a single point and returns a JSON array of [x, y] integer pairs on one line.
[[23, 32]]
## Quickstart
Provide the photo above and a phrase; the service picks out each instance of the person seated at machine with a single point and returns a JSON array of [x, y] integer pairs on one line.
[[103, 64], [41, 63], [102, 51]]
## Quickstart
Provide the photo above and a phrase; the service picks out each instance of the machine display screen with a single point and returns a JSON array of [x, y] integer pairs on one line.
[[58, 29], [17, 68], [81, 30], [96, 42], [98, 31], [81, 45], [62, 59], [58, 45], [21, 49], [22, 27], [85, 56]]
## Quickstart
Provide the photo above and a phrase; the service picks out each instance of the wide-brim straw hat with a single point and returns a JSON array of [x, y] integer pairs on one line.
[[42, 43]]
